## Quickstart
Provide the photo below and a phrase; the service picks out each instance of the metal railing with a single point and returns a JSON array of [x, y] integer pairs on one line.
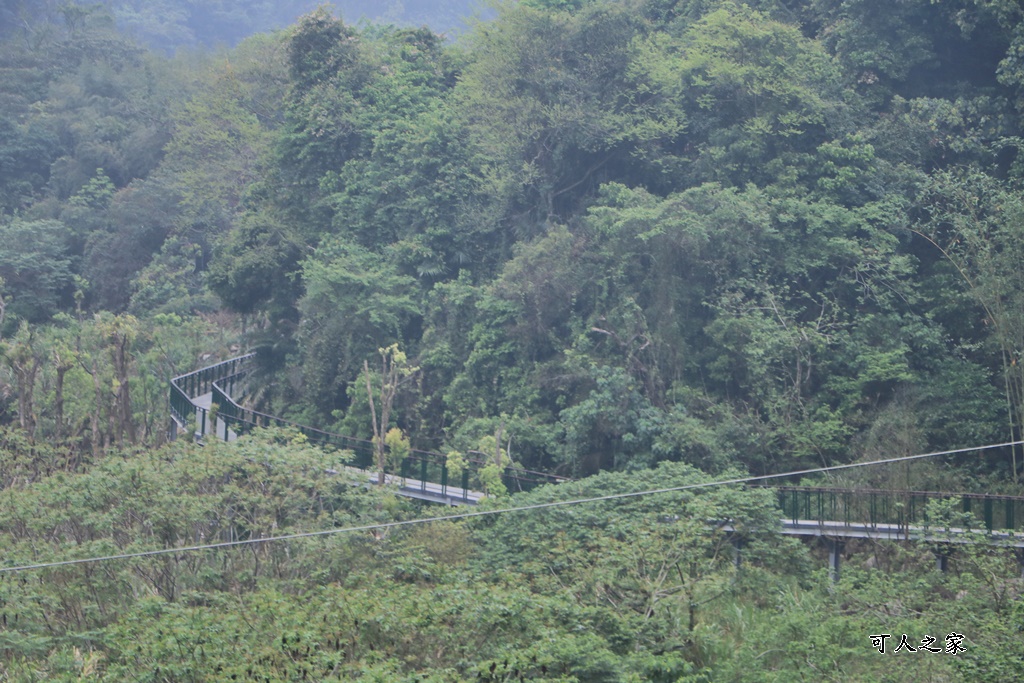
[[876, 507], [192, 385], [223, 379], [852, 507]]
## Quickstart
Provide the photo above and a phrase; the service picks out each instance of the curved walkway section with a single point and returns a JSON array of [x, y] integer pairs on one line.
[[202, 403]]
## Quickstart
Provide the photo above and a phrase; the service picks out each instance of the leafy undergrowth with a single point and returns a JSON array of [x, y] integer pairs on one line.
[[634, 589]]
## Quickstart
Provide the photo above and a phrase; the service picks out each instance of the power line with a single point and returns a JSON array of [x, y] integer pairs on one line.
[[486, 513]]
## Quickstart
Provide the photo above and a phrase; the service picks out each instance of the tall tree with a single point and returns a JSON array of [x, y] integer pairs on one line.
[[355, 301], [395, 371]]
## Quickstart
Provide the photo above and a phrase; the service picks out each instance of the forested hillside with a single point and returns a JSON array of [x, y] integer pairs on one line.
[[632, 242], [636, 232], [169, 25]]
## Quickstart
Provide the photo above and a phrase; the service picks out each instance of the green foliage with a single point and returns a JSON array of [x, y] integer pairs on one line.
[[95, 194], [979, 224], [904, 47], [171, 284], [251, 270], [217, 142], [434, 161], [744, 89], [82, 384], [34, 267], [456, 464], [612, 427], [355, 301], [25, 154], [398, 446], [591, 237], [630, 589], [639, 231], [543, 106]]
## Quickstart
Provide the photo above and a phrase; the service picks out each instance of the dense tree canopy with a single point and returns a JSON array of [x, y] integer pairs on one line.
[[602, 220], [632, 242]]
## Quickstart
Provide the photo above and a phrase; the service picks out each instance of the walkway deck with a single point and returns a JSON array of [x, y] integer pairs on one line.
[[832, 513], [894, 532], [403, 486], [425, 490]]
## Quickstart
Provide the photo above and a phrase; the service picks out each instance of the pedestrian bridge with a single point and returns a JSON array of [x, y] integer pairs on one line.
[[204, 402], [838, 515]]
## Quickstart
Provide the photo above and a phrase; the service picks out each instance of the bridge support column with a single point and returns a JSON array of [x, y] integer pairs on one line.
[[1020, 559], [835, 555], [737, 550], [942, 560]]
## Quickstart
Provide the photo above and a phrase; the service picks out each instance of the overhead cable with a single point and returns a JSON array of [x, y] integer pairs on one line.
[[497, 511]]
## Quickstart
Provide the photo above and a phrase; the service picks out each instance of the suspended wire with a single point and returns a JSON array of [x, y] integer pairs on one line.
[[487, 513], [326, 437]]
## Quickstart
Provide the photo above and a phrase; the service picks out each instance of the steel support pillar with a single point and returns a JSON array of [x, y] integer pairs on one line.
[[737, 550], [835, 556]]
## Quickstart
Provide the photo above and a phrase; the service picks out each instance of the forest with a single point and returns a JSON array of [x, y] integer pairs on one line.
[[167, 26], [634, 243]]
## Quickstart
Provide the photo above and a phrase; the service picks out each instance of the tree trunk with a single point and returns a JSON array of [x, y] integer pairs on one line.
[[393, 372], [97, 435], [378, 437], [26, 395], [58, 402], [120, 344]]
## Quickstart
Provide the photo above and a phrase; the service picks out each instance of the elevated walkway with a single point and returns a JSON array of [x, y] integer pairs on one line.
[[897, 532], [422, 476], [203, 401]]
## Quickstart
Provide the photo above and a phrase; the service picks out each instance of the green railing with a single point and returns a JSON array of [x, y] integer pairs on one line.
[[192, 385], [224, 379], [872, 507], [876, 507]]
